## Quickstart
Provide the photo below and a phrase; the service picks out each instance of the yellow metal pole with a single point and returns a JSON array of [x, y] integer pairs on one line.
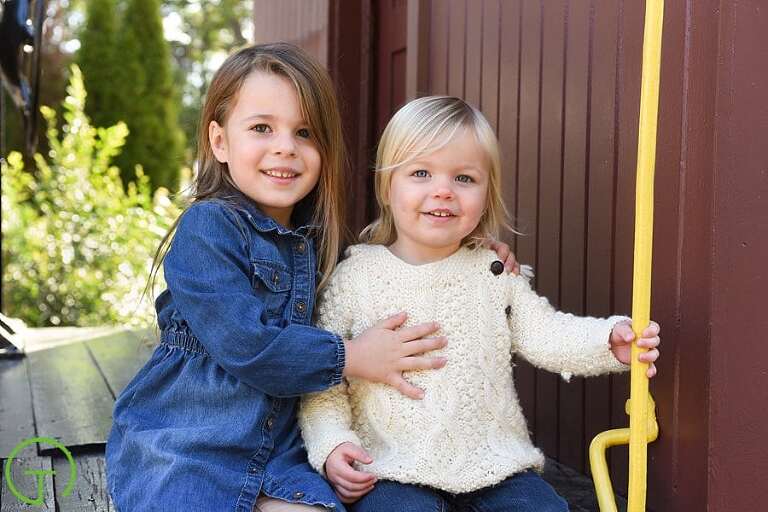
[[641, 293], [641, 409], [600, 475], [605, 440]]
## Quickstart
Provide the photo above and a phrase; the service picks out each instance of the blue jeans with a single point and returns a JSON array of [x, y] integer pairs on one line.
[[524, 492]]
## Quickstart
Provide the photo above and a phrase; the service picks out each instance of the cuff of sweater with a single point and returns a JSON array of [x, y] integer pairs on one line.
[[602, 361], [319, 450]]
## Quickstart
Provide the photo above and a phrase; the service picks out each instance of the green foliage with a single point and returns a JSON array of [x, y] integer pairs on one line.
[[77, 245], [98, 59], [208, 31], [148, 102]]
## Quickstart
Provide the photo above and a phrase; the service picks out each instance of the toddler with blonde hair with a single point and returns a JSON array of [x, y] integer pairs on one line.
[[465, 445]]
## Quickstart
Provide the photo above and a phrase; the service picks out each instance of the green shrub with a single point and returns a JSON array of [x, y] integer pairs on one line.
[[146, 95], [77, 245], [99, 60]]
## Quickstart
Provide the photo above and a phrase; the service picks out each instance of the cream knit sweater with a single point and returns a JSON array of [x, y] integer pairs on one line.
[[469, 431]]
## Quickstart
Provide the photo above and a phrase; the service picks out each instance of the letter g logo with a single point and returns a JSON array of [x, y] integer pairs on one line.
[[39, 474]]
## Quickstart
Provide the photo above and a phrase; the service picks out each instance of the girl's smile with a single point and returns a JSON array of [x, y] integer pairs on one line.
[[282, 175], [440, 215]]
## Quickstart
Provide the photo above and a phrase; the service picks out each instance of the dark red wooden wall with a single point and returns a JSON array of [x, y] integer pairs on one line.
[[549, 76], [559, 80]]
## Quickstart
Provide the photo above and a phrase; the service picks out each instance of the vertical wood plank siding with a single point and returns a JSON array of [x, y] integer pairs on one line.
[[739, 411], [560, 82], [573, 218], [391, 44], [301, 22]]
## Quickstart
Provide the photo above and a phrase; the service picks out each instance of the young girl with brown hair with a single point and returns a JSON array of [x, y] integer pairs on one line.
[[209, 423]]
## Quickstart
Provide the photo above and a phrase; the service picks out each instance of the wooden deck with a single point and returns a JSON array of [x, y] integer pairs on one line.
[[65, 389]]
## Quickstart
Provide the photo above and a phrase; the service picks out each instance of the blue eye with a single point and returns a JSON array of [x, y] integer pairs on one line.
[[303, 133], [261, 128], [421, 173], [463, 178]]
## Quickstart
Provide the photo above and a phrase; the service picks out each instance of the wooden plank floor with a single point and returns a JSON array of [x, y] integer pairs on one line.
[[16, 422], [67, 392]]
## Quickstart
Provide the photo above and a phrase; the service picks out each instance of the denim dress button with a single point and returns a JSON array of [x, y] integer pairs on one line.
[[298, 495], [301, 306], [301, 247], [270, 422]]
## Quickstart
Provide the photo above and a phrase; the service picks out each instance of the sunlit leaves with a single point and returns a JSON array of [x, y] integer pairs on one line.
[[77, 244]]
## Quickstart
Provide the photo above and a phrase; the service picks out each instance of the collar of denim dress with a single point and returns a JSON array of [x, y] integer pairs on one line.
[[302, 214]]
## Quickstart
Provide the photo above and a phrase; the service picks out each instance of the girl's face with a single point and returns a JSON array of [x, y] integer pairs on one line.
[[267, 145], [439, 199]]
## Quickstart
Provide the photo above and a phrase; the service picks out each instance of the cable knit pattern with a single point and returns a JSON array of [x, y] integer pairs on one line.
[[469, 431]]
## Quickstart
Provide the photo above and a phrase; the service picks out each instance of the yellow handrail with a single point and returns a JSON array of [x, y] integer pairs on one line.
[[607, 439], [642, 420]]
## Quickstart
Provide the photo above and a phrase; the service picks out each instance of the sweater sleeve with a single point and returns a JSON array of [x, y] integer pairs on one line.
[[325, 418], [556, 341]]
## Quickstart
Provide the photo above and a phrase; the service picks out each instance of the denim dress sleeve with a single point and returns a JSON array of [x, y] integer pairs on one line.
[[325, 418], [207, 271]]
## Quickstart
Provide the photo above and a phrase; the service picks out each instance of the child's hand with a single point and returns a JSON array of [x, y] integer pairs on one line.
[[622, 336], [505, 254], [381, 354], [349, 483]]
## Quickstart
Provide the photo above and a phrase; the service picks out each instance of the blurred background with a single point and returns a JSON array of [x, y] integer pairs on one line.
[[121, 86], [122, 82]]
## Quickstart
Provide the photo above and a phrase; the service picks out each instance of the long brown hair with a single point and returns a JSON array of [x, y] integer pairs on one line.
[[319, 107]]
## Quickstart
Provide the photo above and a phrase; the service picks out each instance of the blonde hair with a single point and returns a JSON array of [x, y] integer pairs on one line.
[[317, 98], [423, 126]]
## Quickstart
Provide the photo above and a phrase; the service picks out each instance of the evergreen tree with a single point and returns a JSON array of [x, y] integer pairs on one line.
[[97, 57], [145, 85], [210, 29]]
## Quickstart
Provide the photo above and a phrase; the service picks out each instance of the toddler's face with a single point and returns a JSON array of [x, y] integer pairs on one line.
[[267, 145], [439, 199]]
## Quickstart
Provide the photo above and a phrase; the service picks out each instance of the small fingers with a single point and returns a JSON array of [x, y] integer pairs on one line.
[[649, 357], [651, 371], [652, 330], [495, 245], [418, 331], [424, 345], [406, 388], [422, 363], [503, 252], [622, 332], [351, 496], [510, 262], [649, 342], [359, 454], [392, 322], [353, 480]]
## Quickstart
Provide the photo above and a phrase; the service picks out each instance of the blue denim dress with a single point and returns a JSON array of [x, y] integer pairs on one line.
[[209, 422]]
